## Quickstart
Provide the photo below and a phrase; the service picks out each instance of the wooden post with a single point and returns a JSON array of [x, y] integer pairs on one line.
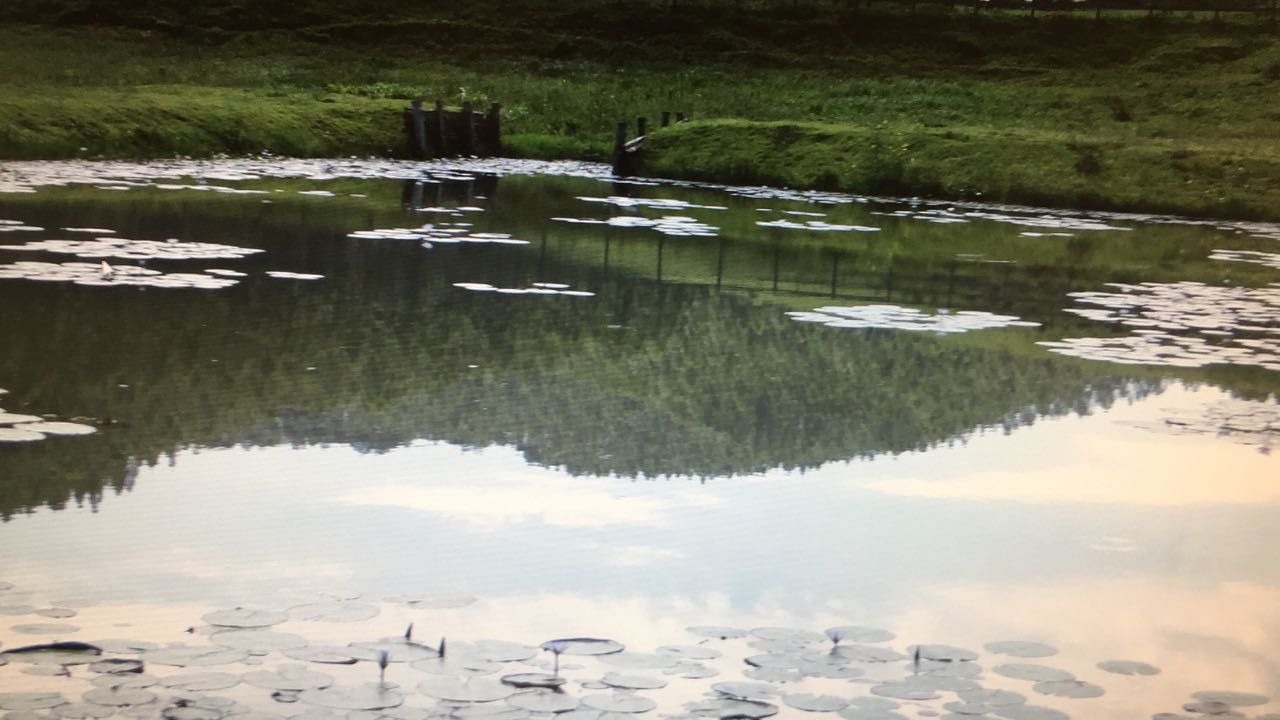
[[641, 126], [661, 241], [720, 263], [419, 124], [494, 139], [679, 117], [619, 147], [666, 118], [1097, 11], [468, 119], [443, 148]]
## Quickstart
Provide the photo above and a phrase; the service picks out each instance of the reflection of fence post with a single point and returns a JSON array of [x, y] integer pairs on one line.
[[777, 255], [619, 147], [951, 283], [835, 270], [419, 124], [468, 129], [661, 241], [888, 282], [442, 148], [606, 251], [720, 263], [415, 200]]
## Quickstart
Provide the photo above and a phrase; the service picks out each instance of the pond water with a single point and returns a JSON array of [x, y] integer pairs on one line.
[[872, 458]]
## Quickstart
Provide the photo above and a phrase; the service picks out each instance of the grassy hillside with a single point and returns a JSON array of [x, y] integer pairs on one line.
[[1172, 113]]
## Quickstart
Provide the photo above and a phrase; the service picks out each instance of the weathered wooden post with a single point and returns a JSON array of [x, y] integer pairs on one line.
[[442, 149], [418, 122], [661, 241], [494, 141], [468, 119], [666, 118], [619, 147], [642, 126], [679, 117]]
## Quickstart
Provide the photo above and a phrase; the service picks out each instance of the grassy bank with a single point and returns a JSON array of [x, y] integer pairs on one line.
[[1175, 114]]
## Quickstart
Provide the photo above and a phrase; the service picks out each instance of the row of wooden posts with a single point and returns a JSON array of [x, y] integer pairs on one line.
[[450, 133], [626, 153]]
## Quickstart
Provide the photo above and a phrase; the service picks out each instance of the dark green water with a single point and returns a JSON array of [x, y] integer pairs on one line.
[[669, 446]]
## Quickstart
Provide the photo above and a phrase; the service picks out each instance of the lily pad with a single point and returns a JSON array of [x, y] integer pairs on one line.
[[287, 677], [992, 698], [326, 654], [583, 646], [731, 708], [116, 665], [533, 680], [191, 712], [864, 713], [8, 418], [397, 650], [472, 689], [543, 701], [131, 680], [944, 653], [1021, 648], [858, 634], [745, 690], [244, 618], [1068, 689], [30, 700], [502, 651], [1128, 667], [15, 435], [1030, 712], [633, 682], [45, 629], [815, 703], [619, 703], [60, 653], [57, 613], [194, 656], [718, 632], [868, 653], [118, 696], [690, 652], [1032, 672], [1229, 697], [82, 711], [904, 690], [334, 611], [52, 427], [773, 675], [201, 681], [791, 636], [371, 696], [257, 640]]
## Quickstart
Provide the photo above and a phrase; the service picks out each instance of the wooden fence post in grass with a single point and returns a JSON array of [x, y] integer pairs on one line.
[[419, 124], [493, 138], [642, 125], [468, 129], [666, 118], [679, 117], [442, 147]]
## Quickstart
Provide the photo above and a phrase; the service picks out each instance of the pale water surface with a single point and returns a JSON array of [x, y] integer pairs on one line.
[[523, 401]]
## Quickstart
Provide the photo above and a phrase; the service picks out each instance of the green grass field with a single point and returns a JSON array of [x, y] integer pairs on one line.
[[1172, 114]]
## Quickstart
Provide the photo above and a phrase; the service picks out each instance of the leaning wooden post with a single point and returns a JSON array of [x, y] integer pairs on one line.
[[619, 147], [641, 126], [418, 120], [468, 129], [666, 118], [443, 148], [495, 129]]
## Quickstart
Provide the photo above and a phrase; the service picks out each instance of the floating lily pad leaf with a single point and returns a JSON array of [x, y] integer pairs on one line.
[[815, 703], [57, 613], [191, 712], [773, 675], [471, 689], [543, 701], [59, 653], [872, 702], [291, 696], [1229, 697], [194, 656], [991, 698], [1068, 689], [287, 275], [731, 708], [775, 660], [327, 654], [1021, 648], [1034, 673], [933, 681], [946, 669], [118, 696], [904, 690], [8, 418], [533, 680], [963, 708], [456, 664], [583, 646], [58, 428], [437, 601], [15, 435], [1030, 712], [718, 632], [858, 634], [45, 629], [118, 646], [792, 636], [131, 680], [244, 618], [868, 653], [46, 671], [745, 690], [201, 681], [691, 670], [865, 713], [82, 711], [223, 272], [116, 665], [1128, 667], [944, 653], [1212, 707], [484, 711], [371, 696], [257, 640], [397, 650], [30, 700], [288, 677], [690, 652], [810, 668], [500, 651], [618, 703], [633, 682], [334, 611], [17, 609]]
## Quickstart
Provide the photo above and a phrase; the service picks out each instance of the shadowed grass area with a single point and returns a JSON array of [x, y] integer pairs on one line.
[[1172, 114]]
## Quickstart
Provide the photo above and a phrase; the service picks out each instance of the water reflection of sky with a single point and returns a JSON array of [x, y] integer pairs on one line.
[[1095, 534]]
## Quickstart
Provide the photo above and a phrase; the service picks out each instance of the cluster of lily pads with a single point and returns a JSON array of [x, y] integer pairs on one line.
[[17, 226], [1235, 325], [21, 427], [1271, 260], [432, 234], [126, 249], [538, 288], [84, 273], [814, 225], [897, 317], [675, 225], [657, 203], [1248, 423]]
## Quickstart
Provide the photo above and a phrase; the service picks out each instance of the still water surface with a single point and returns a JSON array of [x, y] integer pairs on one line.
[[525, 402]]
